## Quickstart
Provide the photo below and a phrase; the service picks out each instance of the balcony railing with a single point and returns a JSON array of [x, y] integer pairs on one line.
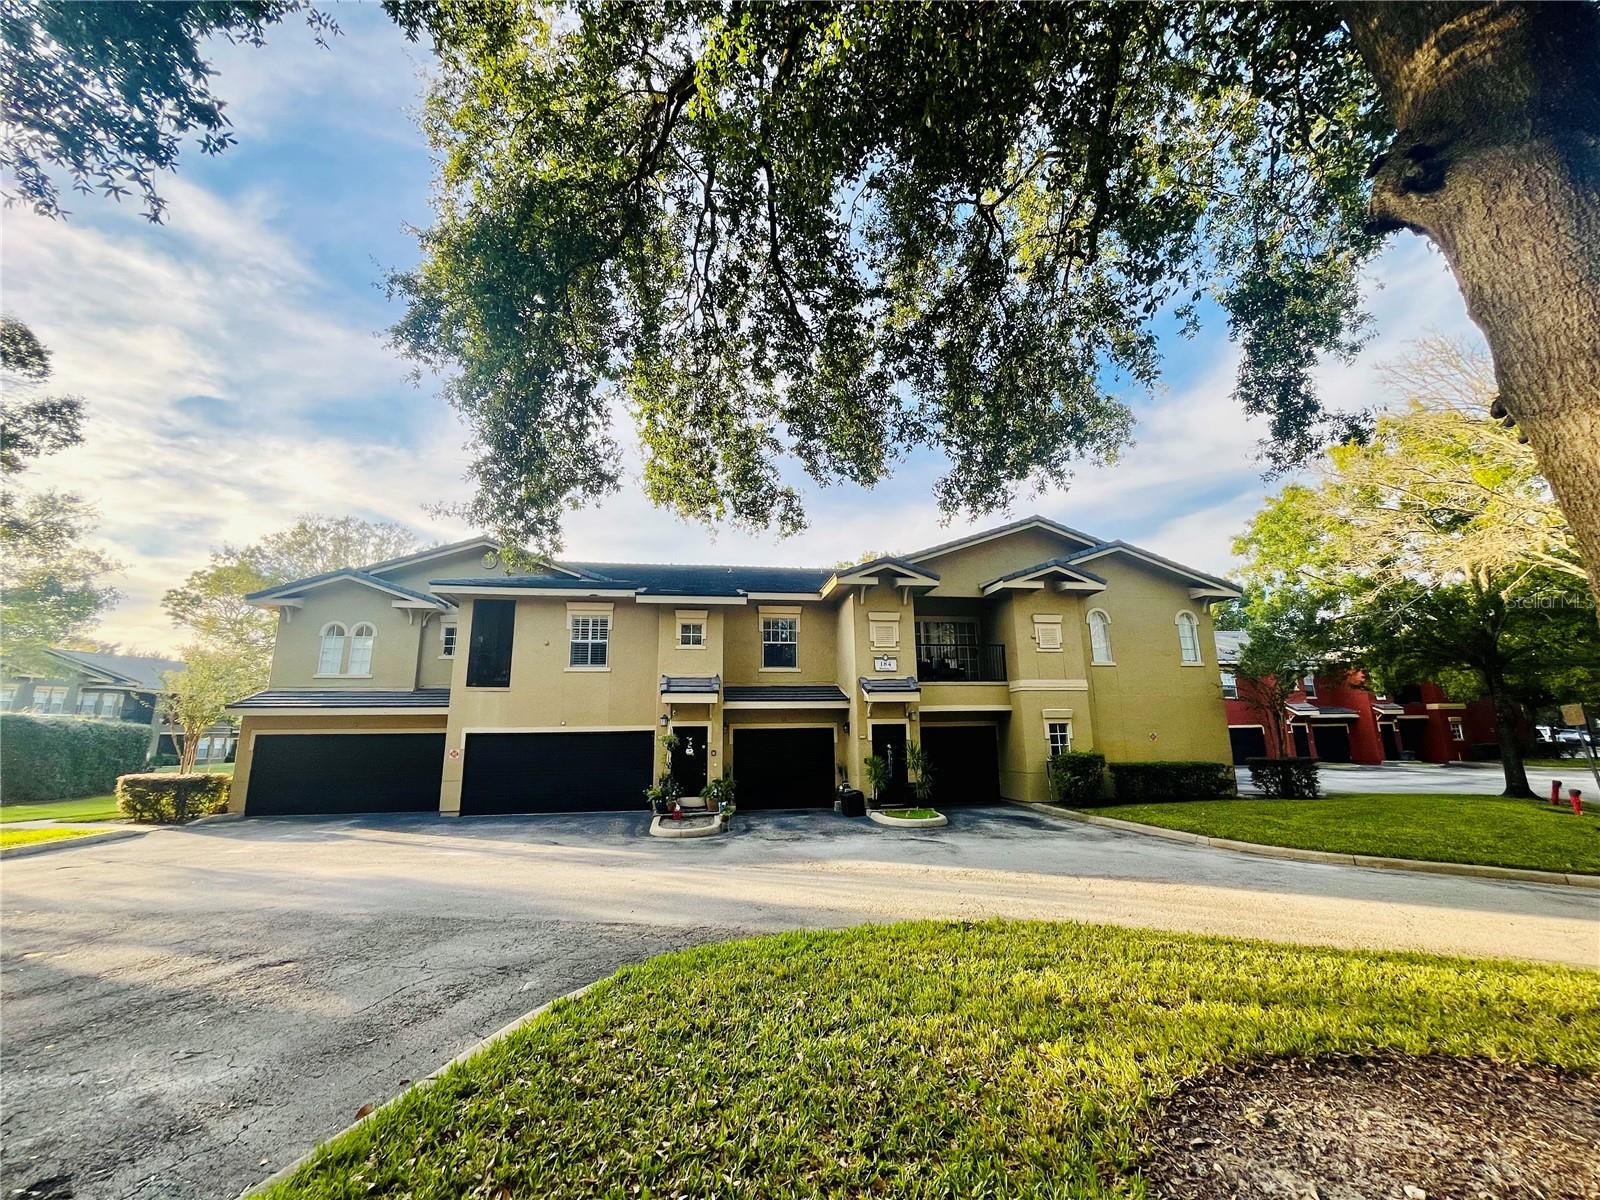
[[955, 663]]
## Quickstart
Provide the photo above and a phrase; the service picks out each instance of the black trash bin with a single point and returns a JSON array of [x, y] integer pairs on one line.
[[852, 803]]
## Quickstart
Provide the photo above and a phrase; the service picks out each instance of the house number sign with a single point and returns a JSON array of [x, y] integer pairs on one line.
[[885, 662]]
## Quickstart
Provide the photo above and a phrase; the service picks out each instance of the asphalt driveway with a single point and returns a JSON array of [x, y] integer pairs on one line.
[[190, 1010]]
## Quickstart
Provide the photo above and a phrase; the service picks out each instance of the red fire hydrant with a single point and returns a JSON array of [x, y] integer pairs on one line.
[[1577, 801], [1555, 792]]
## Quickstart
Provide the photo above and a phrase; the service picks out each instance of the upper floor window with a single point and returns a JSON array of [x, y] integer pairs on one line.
[[8, 695], [1099, 636], [447, 641], [99, 704], [1059, 735], [691, 630], [1458, 729], [361, 639], [780, 642], [591, 641], [1230, 686], [489, 651], [330, 660], [1188, 637], [1310, 685]]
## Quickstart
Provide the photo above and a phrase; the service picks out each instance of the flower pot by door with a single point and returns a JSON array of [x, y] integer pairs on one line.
[[689, 758]]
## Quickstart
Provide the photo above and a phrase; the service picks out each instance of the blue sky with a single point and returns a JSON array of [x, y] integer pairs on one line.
[[236, 373]]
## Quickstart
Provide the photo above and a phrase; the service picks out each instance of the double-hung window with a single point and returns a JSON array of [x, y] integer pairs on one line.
[[780, 643], [1099, 637], [361, 639], [590, 641], [1188, 638], [1059, 735], [447, 641], [330, 658], [1230, 686]]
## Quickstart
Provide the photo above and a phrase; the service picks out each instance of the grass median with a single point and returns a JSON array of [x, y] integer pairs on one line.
[[923, 1059], [1484, 830], [12, 837]]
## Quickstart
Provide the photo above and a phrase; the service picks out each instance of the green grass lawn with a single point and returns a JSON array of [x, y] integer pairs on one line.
[[922, 1059], [1487, 830], [909, 814], [27, 837], [89, 808]]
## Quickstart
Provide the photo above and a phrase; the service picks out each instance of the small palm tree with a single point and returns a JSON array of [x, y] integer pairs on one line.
[[878, 777], [922, 772]]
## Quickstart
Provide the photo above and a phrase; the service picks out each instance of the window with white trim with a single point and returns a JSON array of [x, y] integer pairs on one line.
[[1047, 633], [8, 695], [1230, 686], [49, 699], [1099, 636], [1188, 637], [1458, 729], [361, 639], [780, 642], [330, 658], [1309, 683], [447, 641], [590, 643], [692, 634], [1059, 736]]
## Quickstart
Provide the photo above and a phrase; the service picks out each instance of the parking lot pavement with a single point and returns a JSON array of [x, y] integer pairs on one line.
[[1483, 779], [188, 1011]]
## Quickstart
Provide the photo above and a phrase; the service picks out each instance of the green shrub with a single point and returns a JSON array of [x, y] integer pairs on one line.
[[1290, 778], [62, 758], [172, 799], [1077, 777], [1152, 782]]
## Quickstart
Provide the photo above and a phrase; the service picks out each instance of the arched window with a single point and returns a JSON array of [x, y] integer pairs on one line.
[[331, 657], [1188, 637], [361, 649], [1099, 636]]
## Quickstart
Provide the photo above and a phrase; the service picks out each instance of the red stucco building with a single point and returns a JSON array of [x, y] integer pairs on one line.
[[1336, 718]]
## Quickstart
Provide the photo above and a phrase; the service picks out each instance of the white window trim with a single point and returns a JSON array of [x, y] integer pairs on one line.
[[692, 617], [1056, 720], [589, 610], [322, 648], [786, 613], [1223, 678], [1043, 621], [1111, 658], [454, 627], [1199, 660]]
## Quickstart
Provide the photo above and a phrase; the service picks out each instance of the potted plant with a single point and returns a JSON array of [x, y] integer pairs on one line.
[[718, 794], [662, 795], [878, 775]]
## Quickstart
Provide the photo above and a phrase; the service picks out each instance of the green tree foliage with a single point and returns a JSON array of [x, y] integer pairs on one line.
[[210, 603], [195, 698], [834, 233], [51, 584], [106, 93], [1289, 638], [1405, 583]]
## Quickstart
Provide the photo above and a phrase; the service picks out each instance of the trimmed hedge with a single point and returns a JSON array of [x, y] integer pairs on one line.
[[1153, 782], [1077, 776], [1288, 778], [168, 799], [62, 758]]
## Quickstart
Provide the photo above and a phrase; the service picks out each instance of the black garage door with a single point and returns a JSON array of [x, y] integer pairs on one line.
[[1249, 741], [1333, 743], [344, 773], [965, 760], [556, 772], [783, 768]]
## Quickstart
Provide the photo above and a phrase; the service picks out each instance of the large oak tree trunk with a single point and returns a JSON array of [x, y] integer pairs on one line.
[[1507, 724], [1497, 160]]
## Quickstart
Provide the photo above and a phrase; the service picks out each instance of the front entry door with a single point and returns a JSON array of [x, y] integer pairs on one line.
[[689, 759], [889, 744]]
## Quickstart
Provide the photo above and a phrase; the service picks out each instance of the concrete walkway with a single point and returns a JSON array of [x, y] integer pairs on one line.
[[190, 1010]]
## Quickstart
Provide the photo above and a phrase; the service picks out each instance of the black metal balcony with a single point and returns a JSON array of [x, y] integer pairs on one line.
[[949, 662]]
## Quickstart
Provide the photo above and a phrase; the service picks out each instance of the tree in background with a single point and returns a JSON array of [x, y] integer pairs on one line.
[[210, 603], [196, 698], [51, 584], [106, 93], [1287, 630], [1436, 551], [833, 234]]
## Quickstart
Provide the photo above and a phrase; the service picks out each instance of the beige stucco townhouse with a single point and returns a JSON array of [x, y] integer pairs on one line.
[[440, 682]]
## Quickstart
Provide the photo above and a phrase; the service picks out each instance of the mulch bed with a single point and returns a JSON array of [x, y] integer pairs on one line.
[[1352, 1128]]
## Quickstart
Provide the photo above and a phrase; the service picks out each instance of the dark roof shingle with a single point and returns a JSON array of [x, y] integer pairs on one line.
[[335, 698]]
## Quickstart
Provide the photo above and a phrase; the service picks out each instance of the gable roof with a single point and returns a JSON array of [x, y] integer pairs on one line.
[[422, 556], [659, 579], [987, 535], [139, 671], [1206, 583], [1079, 578], [289, 592]]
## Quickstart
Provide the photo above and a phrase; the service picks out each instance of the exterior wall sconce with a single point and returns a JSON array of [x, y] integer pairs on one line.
[[663, 719]]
